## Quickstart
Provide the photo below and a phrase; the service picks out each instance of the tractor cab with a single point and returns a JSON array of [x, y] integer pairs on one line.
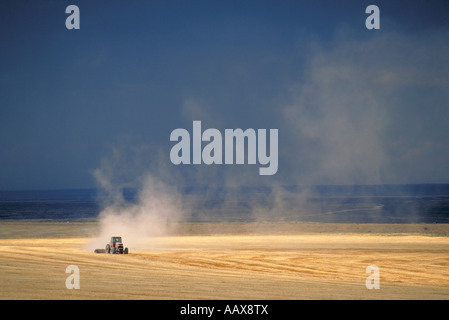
[[115, 240]]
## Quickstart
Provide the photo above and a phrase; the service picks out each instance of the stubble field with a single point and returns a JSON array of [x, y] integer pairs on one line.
[[228, 261]]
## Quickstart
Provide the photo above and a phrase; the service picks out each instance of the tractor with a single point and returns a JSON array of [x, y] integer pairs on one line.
[[116, 246]]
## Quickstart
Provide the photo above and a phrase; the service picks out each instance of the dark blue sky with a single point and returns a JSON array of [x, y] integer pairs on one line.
[[352, 105]]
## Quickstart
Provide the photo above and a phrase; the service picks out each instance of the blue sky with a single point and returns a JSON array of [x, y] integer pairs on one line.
[[352, 105]]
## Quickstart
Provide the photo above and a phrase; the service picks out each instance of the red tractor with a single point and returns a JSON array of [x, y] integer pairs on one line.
[[116, 246]]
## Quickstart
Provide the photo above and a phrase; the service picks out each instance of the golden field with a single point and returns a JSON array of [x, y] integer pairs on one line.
[[228, 261]]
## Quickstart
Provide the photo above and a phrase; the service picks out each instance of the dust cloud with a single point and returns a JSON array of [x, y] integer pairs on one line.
[[136, 206]]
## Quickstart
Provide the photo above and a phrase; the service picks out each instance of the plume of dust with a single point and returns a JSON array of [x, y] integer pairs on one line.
[[154, 213], [282, 205]]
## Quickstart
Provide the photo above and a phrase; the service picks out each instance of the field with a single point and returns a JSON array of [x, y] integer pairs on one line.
[[228, 261]]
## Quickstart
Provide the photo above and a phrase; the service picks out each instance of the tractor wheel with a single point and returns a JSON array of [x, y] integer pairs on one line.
[[126, 251], [108, 248], [113, 250]]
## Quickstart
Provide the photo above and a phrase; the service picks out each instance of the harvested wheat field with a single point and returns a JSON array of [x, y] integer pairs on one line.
[[294, 261]]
